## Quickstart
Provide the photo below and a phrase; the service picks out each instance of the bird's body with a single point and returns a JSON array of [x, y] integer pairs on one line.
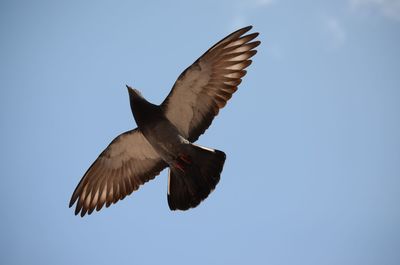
[[166, 134], [194, 170], [163, 136]]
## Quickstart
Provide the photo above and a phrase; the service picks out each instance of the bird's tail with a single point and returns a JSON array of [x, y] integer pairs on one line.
[[193, 176]]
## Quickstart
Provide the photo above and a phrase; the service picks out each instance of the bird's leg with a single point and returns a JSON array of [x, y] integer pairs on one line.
[[179, 166], [185, 158]]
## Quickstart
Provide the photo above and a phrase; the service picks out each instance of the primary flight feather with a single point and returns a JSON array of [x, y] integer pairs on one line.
[[166, 132]]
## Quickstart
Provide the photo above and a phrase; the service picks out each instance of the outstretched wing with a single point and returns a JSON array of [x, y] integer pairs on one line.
[[128, 162], [205, 87]]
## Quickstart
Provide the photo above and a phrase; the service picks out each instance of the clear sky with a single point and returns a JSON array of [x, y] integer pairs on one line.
[[312, 136]]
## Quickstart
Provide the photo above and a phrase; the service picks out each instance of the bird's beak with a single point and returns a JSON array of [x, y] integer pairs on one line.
[[133, 92], [129, 89]]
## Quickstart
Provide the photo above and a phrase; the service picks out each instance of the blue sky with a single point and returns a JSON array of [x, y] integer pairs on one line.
[[312, 135]]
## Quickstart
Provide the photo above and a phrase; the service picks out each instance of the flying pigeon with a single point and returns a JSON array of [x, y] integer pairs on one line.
[[166, 132]]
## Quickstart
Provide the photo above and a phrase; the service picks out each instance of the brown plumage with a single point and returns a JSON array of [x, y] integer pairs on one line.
[[128, 162], [205, 86], [166, 132]]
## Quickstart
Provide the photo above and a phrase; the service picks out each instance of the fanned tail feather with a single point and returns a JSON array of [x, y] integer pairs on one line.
[[194, 176]]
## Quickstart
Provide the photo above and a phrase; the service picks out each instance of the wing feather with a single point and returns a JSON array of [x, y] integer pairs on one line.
[[128, 162], [206, 86]]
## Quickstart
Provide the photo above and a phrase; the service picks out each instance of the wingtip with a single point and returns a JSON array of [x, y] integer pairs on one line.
[[245, 29], [248, 27], [72, 201], [83, 212], [256, 43]]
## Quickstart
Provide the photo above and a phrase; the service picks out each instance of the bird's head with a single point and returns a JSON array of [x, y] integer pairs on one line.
[[135, 98], [141, 108], [134, 93], [137, 101]]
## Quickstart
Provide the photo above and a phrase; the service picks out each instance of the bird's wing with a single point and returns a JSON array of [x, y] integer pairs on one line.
[[128, 162], [205, 87]]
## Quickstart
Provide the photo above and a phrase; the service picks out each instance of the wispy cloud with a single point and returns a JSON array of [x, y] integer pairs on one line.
[[336, 32], [388, 8]]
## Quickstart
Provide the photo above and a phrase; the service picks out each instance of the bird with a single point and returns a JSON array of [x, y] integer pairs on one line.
[[165, 134]]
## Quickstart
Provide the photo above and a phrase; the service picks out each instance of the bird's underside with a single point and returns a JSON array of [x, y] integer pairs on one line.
[[166, 132]]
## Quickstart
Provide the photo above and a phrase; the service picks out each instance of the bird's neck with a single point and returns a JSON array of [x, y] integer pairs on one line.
[[144, 112]]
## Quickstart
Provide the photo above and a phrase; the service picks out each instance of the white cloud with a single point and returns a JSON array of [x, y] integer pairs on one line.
[[388, 8], [336, 32]]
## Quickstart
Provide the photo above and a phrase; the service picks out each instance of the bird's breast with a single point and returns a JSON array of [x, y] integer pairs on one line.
[[165, 138]]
